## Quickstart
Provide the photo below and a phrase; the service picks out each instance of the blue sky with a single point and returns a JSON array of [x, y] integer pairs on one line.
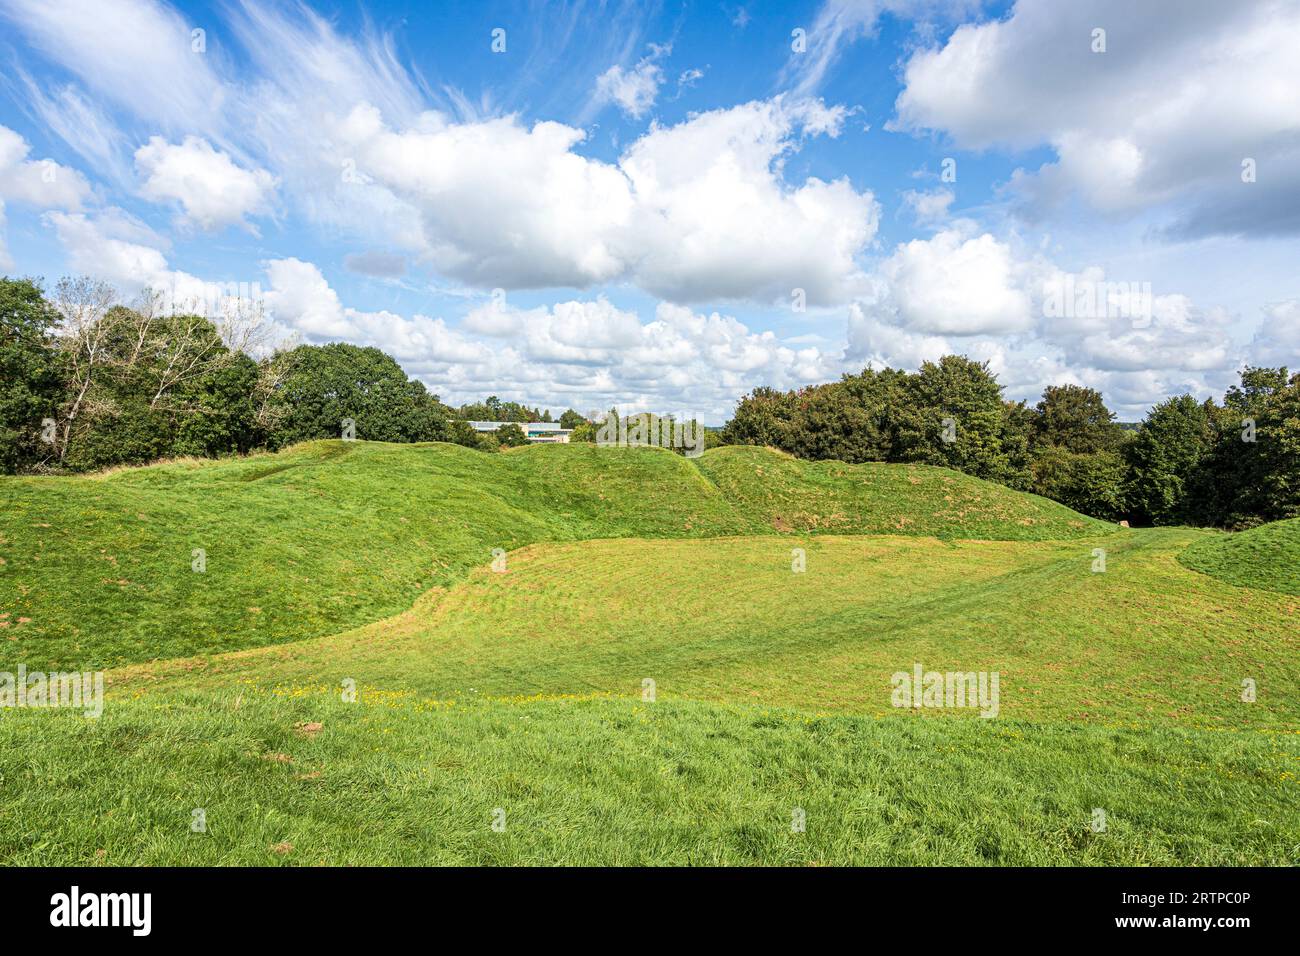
[[664, 206]]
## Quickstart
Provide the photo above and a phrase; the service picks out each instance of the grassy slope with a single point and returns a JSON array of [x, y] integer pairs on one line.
[[392, 779], [1267, 557], [97, 571], [773, 489]]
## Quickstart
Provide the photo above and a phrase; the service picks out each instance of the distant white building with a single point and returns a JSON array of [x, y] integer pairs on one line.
[[533, 431]]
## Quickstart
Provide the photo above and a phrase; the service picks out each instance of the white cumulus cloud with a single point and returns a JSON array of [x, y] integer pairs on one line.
[[212, 189], [42, 184], [1037, 324], [1277, 342], [1182, 95], [691, 212], [633, 90], [587, 354]]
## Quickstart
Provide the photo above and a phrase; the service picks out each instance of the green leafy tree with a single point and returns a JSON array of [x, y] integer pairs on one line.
[[1017, 427], [1258, 386], [1163, 457], [949, 413], [1252, 471], [163, 385], [584, 431], [1076, 419], [220, 416], [331, 383], [571, 419], [830, 423], [590, 429], [511, 436], [762, 418], [1278, 433], [1073, 450], [495, 410], [956, 417], [1091, 483], [31, 380], [459, 432], [856, 419]]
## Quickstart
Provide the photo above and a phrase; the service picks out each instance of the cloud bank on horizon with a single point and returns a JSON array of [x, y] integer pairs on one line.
[[663, 209]]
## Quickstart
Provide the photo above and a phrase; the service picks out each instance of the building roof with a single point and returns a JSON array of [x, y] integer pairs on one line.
[[528, 427]]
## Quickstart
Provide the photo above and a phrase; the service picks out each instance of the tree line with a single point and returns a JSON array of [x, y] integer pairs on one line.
[[1228, 464], [87, 382]]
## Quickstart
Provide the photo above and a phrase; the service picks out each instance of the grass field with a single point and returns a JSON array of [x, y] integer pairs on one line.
[[334, 534], [521, 690], [726, 620], [393, 779]]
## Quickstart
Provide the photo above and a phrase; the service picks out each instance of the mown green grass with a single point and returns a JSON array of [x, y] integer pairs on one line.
[[1266, 557], [393, 779], [521, 689], [1146, 642], [329, 535]]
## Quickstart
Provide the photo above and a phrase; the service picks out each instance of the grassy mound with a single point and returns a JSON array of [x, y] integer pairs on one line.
[[99, 571], [1267, 557], [775, 490], [392, 779]]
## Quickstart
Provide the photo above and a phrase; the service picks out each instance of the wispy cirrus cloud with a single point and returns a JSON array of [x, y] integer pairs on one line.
[[841, 23]]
